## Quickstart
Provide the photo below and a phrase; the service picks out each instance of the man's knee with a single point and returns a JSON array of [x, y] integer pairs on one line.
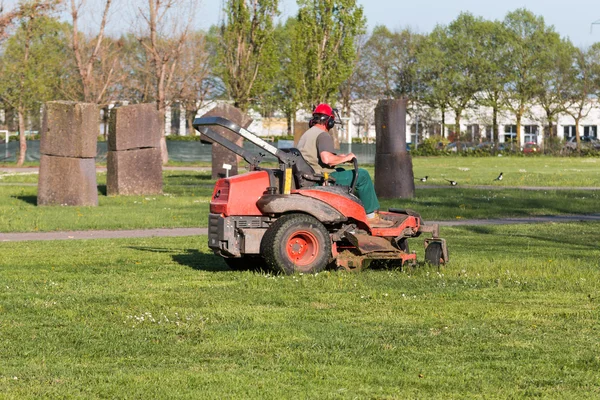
[[363, 176]]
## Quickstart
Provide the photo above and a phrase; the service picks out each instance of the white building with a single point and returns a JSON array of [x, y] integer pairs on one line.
[[477, 123]]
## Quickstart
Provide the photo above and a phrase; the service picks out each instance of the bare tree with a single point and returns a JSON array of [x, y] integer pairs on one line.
[[96, 62], [163, 39], [193, 82], [6, 19]]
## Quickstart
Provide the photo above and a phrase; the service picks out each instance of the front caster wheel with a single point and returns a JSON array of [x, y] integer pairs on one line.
[[434, 254], [296, 243]]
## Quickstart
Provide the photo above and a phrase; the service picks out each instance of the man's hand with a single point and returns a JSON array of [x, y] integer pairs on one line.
[[350, 156], [335, 159]]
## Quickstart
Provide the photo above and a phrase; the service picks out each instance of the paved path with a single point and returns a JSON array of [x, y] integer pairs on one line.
[[176, 232], [102, 234]]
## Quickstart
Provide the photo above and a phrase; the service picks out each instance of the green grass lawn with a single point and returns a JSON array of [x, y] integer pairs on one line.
[[186, 196], [514, 315], [517, 171]]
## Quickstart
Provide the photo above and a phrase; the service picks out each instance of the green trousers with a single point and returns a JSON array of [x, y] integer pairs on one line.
[[364, 187]]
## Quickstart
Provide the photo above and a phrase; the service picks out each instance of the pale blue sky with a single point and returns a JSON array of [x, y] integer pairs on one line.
[[571, 18]]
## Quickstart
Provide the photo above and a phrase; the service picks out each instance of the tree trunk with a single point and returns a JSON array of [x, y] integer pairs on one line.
[[519, 117], [577, 138], [495, 125], [443, 130], [288, 120], [394, 176], [457, 114], [22, 138]]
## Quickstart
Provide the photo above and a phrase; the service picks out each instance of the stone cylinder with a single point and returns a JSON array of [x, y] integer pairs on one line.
[[68, 148], [394, 176], [134, 162], [220, 155]]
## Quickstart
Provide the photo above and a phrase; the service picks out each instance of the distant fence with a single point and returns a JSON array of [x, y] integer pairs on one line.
[[182, 151]]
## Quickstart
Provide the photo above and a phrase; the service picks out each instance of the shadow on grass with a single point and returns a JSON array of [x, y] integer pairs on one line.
[[574, 241], [191, 258], [27, 199], [102, 190]]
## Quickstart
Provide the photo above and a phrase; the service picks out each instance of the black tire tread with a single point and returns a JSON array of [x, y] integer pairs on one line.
[[271, 243], [434, 253]]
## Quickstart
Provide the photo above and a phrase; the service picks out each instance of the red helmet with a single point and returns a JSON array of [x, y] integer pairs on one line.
[[324, 109]]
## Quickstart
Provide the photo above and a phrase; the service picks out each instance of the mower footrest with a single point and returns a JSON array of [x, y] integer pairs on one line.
[[368, 244]]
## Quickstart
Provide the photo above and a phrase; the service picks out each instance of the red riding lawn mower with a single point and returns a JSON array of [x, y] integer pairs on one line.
[[290, 219]]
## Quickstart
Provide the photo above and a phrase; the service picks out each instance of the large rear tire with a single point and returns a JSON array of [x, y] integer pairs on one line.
[[296, 243]]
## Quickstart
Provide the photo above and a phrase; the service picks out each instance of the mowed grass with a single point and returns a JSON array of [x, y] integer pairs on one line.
[[514, 315], [517, 171], [184, 203], [187, 195]]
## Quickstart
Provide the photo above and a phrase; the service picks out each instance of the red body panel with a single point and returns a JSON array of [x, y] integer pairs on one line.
[[409, 222], [238, 195], [355, 211], [347, 207]]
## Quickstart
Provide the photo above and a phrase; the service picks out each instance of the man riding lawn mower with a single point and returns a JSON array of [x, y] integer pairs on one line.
[[296, 218]]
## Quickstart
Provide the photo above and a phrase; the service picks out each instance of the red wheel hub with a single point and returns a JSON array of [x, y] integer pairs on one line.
[[302, 247]]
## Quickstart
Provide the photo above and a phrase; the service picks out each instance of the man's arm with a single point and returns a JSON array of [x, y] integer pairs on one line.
[[335, 159], [326, 151]]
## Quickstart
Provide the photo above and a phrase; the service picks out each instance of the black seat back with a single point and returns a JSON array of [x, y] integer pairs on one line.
[[304, 174]]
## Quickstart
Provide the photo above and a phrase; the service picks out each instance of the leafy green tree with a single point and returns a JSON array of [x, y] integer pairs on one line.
[[584, 85], [555, 79], [325, 46], [286, 96], [528, 38], [247, 60], [495, 52], [434, 88], [33, 65], [462, 52]]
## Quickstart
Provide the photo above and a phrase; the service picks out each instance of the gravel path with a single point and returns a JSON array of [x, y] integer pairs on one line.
[[141, 233]]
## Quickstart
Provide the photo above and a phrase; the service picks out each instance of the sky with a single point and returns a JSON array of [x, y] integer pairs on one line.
[[571, 18]]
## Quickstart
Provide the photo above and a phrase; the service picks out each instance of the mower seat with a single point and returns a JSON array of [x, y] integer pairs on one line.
[[304, 175]]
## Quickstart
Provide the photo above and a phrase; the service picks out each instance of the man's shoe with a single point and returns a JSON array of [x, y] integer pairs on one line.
[[378, 222]]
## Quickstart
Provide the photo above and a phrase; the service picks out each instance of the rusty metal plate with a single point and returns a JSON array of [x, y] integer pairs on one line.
[[368, 244]]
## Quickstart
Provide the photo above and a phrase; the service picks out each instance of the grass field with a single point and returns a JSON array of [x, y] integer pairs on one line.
[[514, 315], [187, 193]]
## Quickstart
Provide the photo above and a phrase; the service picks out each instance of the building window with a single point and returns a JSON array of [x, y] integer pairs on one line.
[[489, 132], [590, 130], [473, 133], [510, 133], [531, 133], [435, 130], [569, 131]]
